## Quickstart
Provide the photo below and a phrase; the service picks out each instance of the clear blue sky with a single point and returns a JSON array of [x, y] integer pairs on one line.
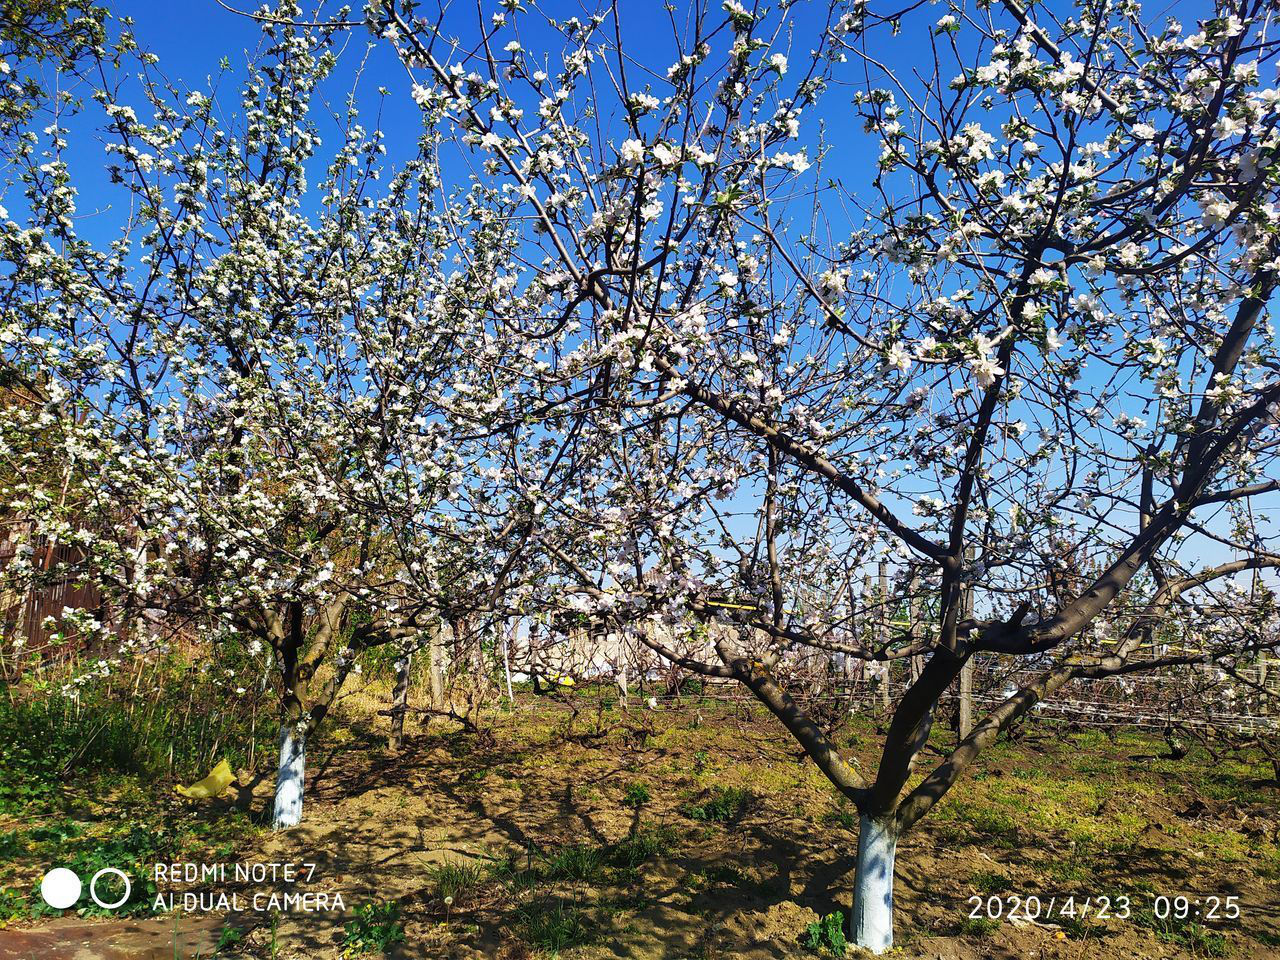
[[192, 38]]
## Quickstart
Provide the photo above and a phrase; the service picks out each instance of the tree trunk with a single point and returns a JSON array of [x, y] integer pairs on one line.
[[437, 668], [507, 640], [475, 638], [872, 921], [400, 700], [289, 775], [534, 638]]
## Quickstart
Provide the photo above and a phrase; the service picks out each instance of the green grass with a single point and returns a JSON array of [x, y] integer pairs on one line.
[[718, 875], [179, 723], [841, 816], [1077, 928], [1198, 939], [977, 927], [645, 844], [229, 938], [1075, 869], [375, 929], [636, 796], [981, 823], [988, 881], [578, 862], [454, 881], [553, 926], [720, 805], [131, 847]]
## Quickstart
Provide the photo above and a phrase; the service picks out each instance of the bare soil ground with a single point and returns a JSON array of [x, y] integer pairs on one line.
[[1065, 814], [700, 833]]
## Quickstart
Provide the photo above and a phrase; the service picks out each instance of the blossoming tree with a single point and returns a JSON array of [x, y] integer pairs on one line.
[[1023, 354], [255, 383], [655, 345]]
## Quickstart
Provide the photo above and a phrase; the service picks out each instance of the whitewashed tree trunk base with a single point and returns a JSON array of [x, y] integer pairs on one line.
[[872, 925], [289, 777]]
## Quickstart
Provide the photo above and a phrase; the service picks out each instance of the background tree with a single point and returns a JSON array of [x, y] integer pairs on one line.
[[256, 382]]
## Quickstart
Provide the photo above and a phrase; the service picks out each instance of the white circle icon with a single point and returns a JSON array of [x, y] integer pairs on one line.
[[60, 888], [93, 892]]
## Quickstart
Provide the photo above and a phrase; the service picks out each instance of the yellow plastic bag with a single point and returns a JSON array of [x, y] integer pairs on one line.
[[214, 785]]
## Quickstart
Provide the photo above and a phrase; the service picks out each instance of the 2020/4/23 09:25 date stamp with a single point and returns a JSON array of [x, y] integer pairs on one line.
[[1048, 908]]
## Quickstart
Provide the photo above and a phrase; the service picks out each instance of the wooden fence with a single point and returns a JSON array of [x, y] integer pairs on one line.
[[24, 615]]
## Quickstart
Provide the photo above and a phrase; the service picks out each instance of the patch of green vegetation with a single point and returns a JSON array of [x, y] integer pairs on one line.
[[979, 823], [1231, 781], [640, 846], [636, 796], [977, 927], [508, 872], [841, 816], [989, 881], [720, 805], [1074, 869], [132, 849], [1076, 928], [375, 929], [108, 730], [12, 844], [229, 939], [1269, 863], [578, 861], [1183, 932], [722, 875], [826, 935], [454, 881], [128, 834], [617, 862], [1225, 845], [554, 926], [56, 832], [12, 905]]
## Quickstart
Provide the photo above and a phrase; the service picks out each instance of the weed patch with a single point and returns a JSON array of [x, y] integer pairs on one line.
[[988, 881], [375, 929], [455, 882], [826, 935], [578, 862], [554, 926], [977, 927], [720, 805], [1194, 937]]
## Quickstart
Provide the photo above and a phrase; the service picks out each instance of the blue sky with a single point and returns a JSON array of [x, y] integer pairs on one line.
[[192, 39]]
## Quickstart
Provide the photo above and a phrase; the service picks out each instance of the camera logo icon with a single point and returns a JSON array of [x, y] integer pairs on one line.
[[61, 888]]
